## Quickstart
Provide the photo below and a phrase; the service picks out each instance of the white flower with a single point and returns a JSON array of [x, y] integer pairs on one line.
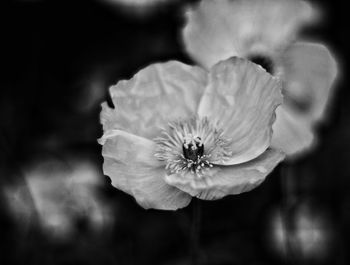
[[179, 131], [264, 31]]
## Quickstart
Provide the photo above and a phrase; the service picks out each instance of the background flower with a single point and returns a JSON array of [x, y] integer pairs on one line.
[[178, 130], [138, 7], [264, 31], [61, 198]]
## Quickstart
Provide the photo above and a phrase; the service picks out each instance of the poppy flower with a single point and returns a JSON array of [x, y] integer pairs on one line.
[[264, 31], [179, 131]]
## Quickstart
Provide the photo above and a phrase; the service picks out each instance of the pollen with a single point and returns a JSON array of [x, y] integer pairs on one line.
[[192, 145]]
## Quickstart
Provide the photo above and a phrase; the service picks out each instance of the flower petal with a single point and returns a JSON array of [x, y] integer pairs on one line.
[[291, 133], [309, 71], [155, 95], [241, 98], [227, 180], [220, 29], [132, 167]]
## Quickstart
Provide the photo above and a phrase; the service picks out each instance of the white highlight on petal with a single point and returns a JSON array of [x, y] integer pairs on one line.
[[261, 169]]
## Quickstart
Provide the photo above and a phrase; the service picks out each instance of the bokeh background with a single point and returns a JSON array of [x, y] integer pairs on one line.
[[58, 59]]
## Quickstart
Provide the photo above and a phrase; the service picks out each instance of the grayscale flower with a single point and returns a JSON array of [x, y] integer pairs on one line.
[[179, 131]]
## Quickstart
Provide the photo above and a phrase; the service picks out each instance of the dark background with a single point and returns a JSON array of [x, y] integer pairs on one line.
[[53, 51]]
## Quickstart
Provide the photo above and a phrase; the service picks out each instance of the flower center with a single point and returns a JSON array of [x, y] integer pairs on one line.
[[192, 147], [264, 61], [193, 152], [181, 146]]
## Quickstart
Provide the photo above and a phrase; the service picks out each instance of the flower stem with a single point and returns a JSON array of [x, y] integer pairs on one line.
[[195, 232], [288, 213]]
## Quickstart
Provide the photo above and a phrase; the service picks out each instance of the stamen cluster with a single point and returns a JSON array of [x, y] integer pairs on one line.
[[192, 145]]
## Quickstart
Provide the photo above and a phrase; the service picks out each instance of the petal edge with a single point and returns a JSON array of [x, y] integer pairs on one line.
[[129, 162], [228, 180]]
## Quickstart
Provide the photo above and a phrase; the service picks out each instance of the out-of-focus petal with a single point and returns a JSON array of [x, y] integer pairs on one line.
[[309, 71], [56, 195], [138, 7], [155, 95], [220, 29], [241, 98], [220, 181], [291, 133], [130, 163]]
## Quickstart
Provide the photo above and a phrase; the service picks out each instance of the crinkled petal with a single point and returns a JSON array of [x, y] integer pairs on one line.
[[220, 181], [219, 29], [309, 71], [291, 133], [130, 163], [241, 98], [155, 95]]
